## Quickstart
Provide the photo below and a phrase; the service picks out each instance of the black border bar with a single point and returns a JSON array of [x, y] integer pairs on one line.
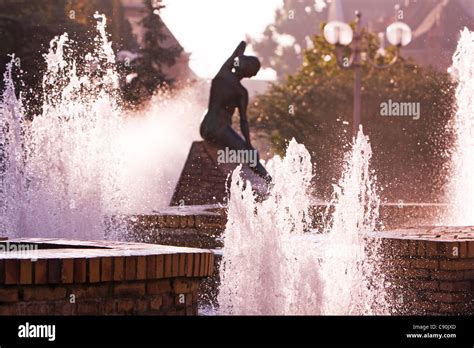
[[260, 330]]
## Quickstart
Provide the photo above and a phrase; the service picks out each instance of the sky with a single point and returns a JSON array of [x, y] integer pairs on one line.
[[212, 29]]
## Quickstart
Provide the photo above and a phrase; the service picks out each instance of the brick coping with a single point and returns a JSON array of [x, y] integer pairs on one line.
[[447, 242], [210, 208], [101, 248], [109, 261], [431, 233], [205, 209], [221, 209]]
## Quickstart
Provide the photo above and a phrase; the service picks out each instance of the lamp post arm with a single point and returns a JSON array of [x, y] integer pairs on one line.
[[340, 58], [384, 66]]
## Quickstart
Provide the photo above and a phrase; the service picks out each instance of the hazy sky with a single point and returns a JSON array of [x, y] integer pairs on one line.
[[211, 29]]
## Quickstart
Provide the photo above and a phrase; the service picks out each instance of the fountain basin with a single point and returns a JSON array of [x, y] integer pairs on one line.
[[68, 277], [199, 226], [202, 226], [430, 269]]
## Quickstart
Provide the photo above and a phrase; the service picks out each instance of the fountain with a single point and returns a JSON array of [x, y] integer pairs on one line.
[[286, 255], [69, 173], [85, 157], [265, 268], [274, 262], [352, 269], [354, 281], [461, 189]]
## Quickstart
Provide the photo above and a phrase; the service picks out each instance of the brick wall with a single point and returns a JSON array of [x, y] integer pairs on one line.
[[193, 226], [177, 296], [202, 226], [430, 269], [134, 278], [202, 181], [392, 215]]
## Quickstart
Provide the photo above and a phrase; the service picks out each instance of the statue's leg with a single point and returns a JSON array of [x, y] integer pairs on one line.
[[230, 138]]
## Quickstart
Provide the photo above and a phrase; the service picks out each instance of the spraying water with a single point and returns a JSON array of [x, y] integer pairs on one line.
[[461, 190], [84, 158], [353, 281], [158, 139], [70, 157], [269, 260], [12, 155], [274, 263]]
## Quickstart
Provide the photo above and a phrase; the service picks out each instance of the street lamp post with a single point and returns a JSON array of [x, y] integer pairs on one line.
[[341, 34]]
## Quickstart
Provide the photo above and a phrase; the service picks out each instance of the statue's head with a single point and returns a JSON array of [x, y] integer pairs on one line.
[[246, 66]]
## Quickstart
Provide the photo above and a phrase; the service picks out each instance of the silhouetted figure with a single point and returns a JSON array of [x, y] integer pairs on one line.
[[227, 93]]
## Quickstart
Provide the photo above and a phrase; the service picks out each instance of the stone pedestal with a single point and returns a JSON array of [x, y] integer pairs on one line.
[[205, 181]]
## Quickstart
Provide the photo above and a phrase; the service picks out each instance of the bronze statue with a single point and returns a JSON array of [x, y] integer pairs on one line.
[[227, 93]]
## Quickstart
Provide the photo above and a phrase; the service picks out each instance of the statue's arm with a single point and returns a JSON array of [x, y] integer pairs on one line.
[[244, 125], [237, 52]]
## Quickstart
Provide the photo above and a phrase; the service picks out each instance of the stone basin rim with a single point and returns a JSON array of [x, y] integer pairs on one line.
[[101, 248], [438, 233]]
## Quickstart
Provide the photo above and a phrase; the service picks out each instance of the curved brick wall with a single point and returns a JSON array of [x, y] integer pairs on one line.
[[66, 277], [431, 269], [193, 226]]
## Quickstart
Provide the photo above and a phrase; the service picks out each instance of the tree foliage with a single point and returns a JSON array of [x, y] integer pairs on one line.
[[27, 27], [409, 155], [154, 55], [292, 22]]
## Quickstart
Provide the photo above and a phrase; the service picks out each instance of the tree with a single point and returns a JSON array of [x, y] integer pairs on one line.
[[154, 56], [119, 28], [314, 105], [283, 42], [27, 27]]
